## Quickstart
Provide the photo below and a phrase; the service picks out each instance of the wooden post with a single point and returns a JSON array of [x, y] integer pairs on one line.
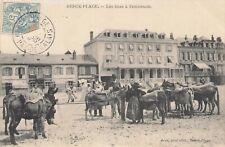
[[123, 108]]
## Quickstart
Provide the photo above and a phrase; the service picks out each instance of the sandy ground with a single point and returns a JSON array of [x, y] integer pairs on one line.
[[73, 130]]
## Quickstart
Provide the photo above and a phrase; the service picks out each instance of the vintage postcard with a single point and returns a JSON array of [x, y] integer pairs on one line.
[[120, 73]]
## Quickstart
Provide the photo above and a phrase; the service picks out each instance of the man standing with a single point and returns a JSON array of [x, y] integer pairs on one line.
[[71, 93]]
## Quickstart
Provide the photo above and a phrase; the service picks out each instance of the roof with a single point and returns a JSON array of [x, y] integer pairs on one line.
[[101, 37], [47, 60]]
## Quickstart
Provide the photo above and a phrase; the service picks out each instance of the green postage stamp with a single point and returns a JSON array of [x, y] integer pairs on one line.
[[13, 11]]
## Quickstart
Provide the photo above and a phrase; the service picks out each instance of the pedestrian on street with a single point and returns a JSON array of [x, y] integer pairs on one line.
[[71, 90]]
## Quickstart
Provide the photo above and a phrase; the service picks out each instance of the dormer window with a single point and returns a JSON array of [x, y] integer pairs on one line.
[[107, 34], [152, 36], [135, 35], [116, 34]]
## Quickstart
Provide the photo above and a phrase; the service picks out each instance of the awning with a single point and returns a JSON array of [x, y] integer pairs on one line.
[[202, 66]]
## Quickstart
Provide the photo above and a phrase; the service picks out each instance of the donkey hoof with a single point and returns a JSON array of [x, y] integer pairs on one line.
[[6, 133], [14, 143], [35, 137], [17, 133], [44, 136]]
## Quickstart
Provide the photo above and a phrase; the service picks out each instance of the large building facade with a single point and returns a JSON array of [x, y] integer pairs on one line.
[[23, 71], [142, 56], [203, 58]]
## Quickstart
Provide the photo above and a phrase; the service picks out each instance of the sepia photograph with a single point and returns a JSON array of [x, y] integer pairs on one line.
[[112, 73]]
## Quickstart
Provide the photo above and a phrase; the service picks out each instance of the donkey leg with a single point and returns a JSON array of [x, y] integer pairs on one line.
[[205, 106], [90, 112], [213, 106], [11, 131], [35, 128], [112, 110], [43, 127], [86, 117], [6, 124], [16, 124]]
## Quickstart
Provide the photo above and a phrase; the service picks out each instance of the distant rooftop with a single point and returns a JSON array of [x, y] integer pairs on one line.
[[51, 59]]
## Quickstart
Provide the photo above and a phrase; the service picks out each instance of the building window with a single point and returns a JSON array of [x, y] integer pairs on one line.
[[131, 47], [158, 60], [32, 71], [116, 34], [150, 60], [122, 59], [122, 74], [150, 47], [159, 73], [189, 55], [132, 73], [169, 59], [152, 36], [141, 59], [47, 71], [135, 35], [140, 74], [108, 59], [93, 70], [131, 59], [183, 56], [125, 35], [121, 46], [158, 48], [69, 70], [20, 70], [140, 47], [201, 56], [151, 73], [108, 46], [87, 70], [169, 48], [7, 71], [58, 71], [82, 70]]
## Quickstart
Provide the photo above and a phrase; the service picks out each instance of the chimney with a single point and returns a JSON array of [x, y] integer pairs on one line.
[[212, 38], [91, 35], [47, 54], [146, 30], [74, 54], [185, 37], [171, 36]]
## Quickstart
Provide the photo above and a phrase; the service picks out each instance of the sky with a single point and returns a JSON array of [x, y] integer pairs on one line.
[[72, 25]]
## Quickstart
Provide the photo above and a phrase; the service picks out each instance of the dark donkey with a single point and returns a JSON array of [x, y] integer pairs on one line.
[[155, 100], [182, 96], [38, 111], [207, 93]]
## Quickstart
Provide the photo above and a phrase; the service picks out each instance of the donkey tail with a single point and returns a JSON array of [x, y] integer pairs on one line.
[[3, 112], [218, 101]]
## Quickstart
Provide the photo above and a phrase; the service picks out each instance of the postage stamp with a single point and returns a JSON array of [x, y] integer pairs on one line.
[[13, 11], [32, 35]]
